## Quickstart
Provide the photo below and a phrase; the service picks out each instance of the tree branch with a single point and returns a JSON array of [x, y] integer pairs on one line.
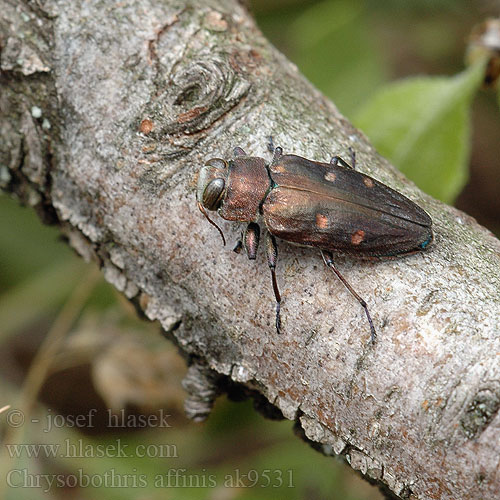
[[106, 117]]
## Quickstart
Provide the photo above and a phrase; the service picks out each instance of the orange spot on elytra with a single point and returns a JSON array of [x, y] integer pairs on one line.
[[321, 221], [278, 168], [330, 176], [357, 237], [368, 182]]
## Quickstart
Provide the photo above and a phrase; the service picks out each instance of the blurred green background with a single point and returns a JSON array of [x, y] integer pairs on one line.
[[101, 356]]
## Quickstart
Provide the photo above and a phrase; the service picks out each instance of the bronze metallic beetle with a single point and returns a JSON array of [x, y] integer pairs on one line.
[[330, 206]]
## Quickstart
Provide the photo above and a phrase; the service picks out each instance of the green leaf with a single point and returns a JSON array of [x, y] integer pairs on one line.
[[39, 295], [422, 125], [332, 44]]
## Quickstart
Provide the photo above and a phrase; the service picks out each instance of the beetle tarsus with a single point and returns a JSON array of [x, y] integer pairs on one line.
[[270, 144], [272, 258], [337, 160], [328, 260], [353, 158], [278, 318], [373, 334]]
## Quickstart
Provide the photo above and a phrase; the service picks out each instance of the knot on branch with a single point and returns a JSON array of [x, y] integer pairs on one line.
[[207, 88], [481, 409], [472, 409], [199, 93]]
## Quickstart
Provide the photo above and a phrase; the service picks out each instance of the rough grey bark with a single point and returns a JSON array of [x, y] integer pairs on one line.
[[109, 109]]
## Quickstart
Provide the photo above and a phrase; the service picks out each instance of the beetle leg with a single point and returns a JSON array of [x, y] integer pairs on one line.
[[353, 157], [277, 151], [272, 257], [270, 144], [237, 151], [237, 248], [276, 156], [337, 160], [328, 260], [251, 240]]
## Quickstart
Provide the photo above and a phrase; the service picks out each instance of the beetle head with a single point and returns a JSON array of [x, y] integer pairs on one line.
[[211, 188]]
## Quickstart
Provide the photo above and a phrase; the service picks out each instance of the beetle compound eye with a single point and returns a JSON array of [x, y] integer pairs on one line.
[[212, 195]]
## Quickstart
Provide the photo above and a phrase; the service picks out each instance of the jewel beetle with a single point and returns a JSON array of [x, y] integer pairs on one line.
[[330, 206]]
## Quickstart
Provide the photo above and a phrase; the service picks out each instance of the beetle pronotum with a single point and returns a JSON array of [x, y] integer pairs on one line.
[[330, 206]]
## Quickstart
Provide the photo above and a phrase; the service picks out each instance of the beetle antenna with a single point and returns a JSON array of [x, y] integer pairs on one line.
[[203, 211]]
